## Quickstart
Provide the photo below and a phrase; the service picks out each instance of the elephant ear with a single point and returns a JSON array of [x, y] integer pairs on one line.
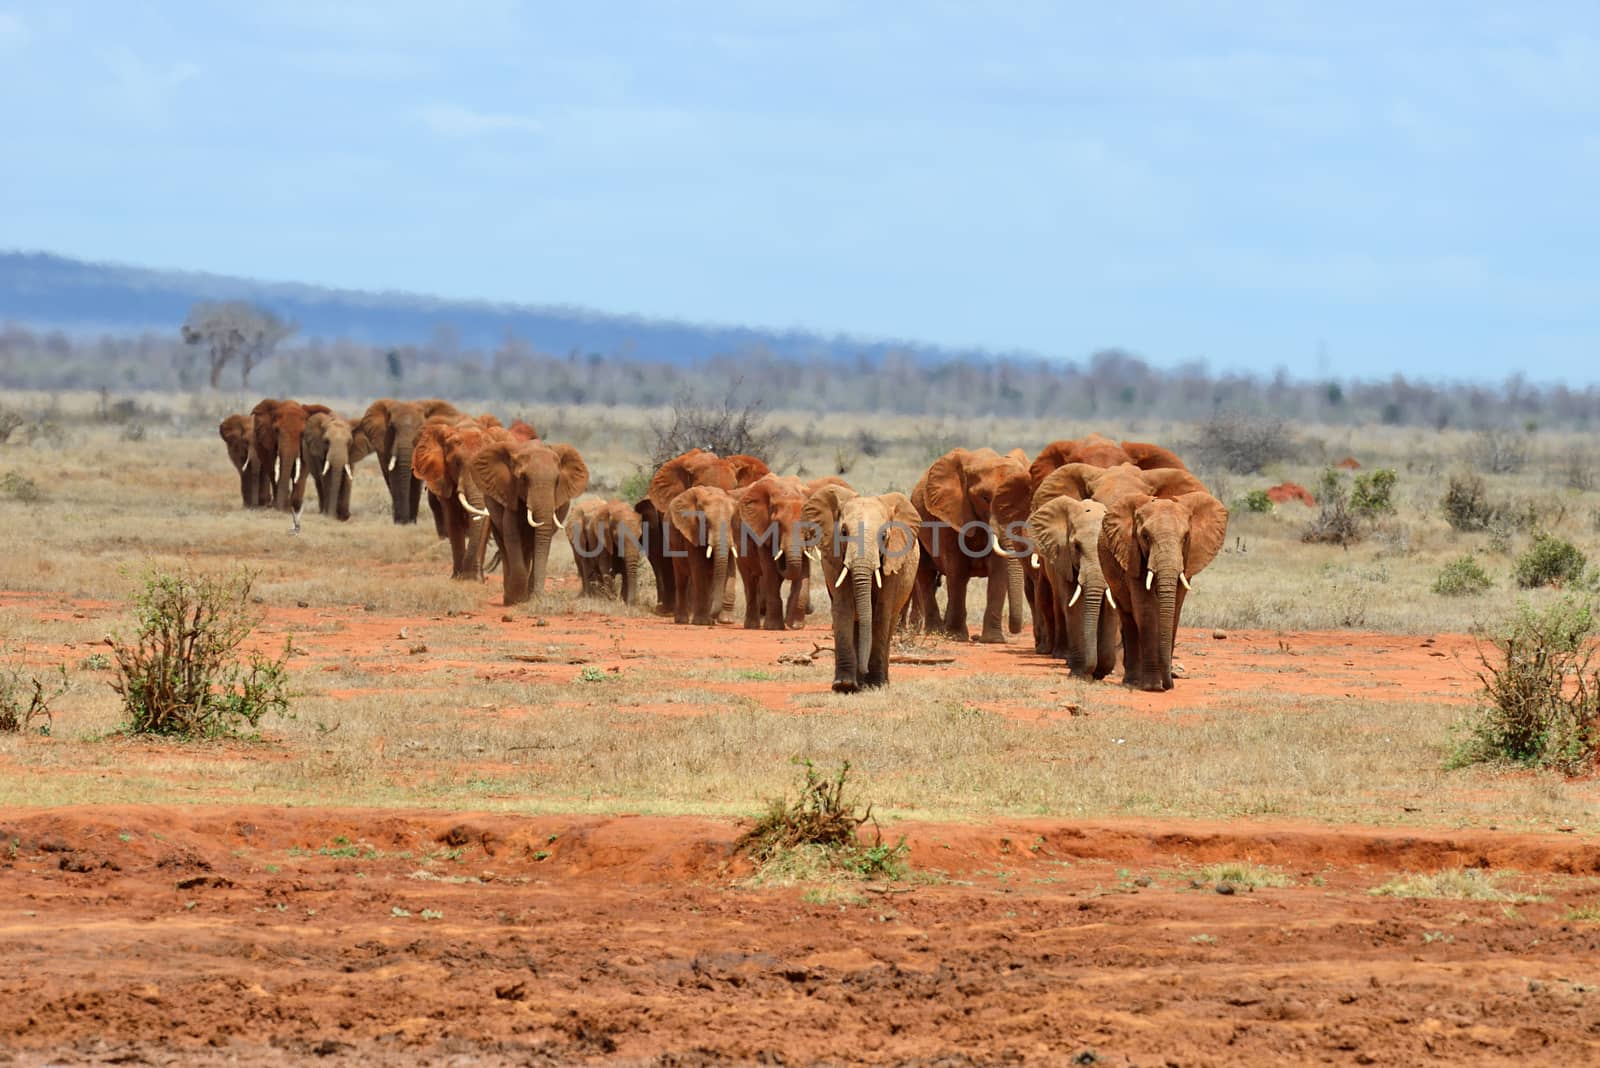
[[1170, 482], [1208, 528], [1097, 450], [491, 470], [1149, 457], [523, 431], [434, 407], [317, 409], [821, 514], [360, 447], [427, 457], [1116, 533], [827, 480], [687, 512], [1012, 502], [944, 492], [671, 479], [374, 425], [574, 477], [489, 422], [1073, 480], [1050, 457], [900, 542], [755, 504], [747, 468]]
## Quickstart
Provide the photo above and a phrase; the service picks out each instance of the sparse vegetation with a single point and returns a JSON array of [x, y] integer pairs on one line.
[[1242, 443], [19, 487], [1335, 523], [1541, 698], [180, 674], [1454, 884], [1244, 875], [1256, 501], [1497, 451], [1466, 503], [1461, 577], [729, 427], [1373, 493], [25, 700]]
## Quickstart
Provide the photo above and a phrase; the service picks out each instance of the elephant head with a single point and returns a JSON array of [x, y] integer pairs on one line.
[[1066, 534], [960, 489], [871, 542], [390, 428], [523, 431], [328, 448], [529, 487], [1097, 450], [236, 434], [1152, 547], [289, 470], [770, 511], [704, 516]]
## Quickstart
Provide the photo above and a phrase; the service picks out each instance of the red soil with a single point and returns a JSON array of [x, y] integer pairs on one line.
[[249, 935], [1291, 491], [1349, 463]]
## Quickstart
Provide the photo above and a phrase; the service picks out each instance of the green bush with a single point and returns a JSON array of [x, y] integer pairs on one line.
[[1335, 522], [20, 487], [1549, 561], [181, 674], [1256, 501], [1373, 493], [1540, 705], [635, 486], [1462, 577]]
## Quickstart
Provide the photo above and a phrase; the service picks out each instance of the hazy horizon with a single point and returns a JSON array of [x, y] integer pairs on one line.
[[1349, 193]]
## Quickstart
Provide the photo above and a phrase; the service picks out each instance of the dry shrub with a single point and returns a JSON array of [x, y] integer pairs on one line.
[[1541, 698], [25, 700], [1241, 443], [727, 428], [822, 817]]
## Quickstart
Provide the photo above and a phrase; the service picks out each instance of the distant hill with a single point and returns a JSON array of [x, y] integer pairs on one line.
[[45, 290]]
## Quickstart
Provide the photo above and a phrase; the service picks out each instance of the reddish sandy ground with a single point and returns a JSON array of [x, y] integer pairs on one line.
[[258, 935]]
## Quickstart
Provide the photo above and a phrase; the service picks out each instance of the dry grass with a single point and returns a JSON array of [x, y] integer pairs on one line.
[[1242, 873], [1454, 884], [388, 728]]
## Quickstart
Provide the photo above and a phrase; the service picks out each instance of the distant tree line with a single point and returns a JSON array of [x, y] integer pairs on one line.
[[1112, 384]]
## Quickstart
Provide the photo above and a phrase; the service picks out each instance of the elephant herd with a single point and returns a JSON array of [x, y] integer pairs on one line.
[[1087, 525]]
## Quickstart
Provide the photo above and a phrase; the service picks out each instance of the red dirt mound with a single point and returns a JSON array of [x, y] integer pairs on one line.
[[1349, 463], [1291, 491]]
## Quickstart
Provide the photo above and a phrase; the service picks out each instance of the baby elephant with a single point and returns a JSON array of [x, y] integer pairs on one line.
[[872, 542]]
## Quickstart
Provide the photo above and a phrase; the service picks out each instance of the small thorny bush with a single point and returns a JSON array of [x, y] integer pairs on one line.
[[821, 816], [181, 674], [25, 700], [1541, 695]]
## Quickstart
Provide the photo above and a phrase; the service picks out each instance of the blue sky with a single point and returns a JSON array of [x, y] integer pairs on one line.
[[1354, 189]]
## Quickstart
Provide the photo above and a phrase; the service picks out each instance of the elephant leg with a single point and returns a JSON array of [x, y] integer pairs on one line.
[[1044, 615], [754, 597], [1132, 673], [794, 616], [994, 609], [456, 522], [1106, 654], [877, 673], [705, 599], [772, 608], [956, 577], [845, 677]]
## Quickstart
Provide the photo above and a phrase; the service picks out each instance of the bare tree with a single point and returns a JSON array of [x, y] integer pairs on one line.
[[234, 330]]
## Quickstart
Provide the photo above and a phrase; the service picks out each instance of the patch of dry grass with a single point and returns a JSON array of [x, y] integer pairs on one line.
[[1453, 884]]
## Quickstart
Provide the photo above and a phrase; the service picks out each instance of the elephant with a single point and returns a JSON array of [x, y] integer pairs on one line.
[[1159, 531], [1066, 536], [872, 542], [703, 519], [529, 487], [391, 427], [441, 461], [585, 535], [330, 449], [1097, 450], [772, 547], [654, 527], [621, 542], [961, 538], [695, 468], [236, 434], [278, 428]]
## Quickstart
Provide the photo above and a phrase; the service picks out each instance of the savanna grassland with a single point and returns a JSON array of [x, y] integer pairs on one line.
[[560, 782]]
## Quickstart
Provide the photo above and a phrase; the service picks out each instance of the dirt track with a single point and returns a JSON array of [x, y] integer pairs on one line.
[[248, 935]]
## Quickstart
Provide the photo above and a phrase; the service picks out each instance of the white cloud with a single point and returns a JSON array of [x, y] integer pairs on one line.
[[449, 121]]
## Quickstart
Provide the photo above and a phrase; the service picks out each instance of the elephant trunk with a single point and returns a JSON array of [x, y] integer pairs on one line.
[[630, 567], [1015, 594], [719, 572], [1167, 599], [286, 471], [861, 575], [401, 483], [542, 537], [793, 557]]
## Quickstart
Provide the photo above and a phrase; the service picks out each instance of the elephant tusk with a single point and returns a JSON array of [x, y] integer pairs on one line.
[[1035, 560], [843, 571], [734, 549], [462, 497], [815, 554], [1110, 600], [277, 466], [532, 521], [877, 577], [777, 551], [391, 463], [1149, 577], [1184, 579], [295, 475], [246, 466], [347, 473], [559, 524], [994, 543], [708, 550], [1075, 595], [325, 465]]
